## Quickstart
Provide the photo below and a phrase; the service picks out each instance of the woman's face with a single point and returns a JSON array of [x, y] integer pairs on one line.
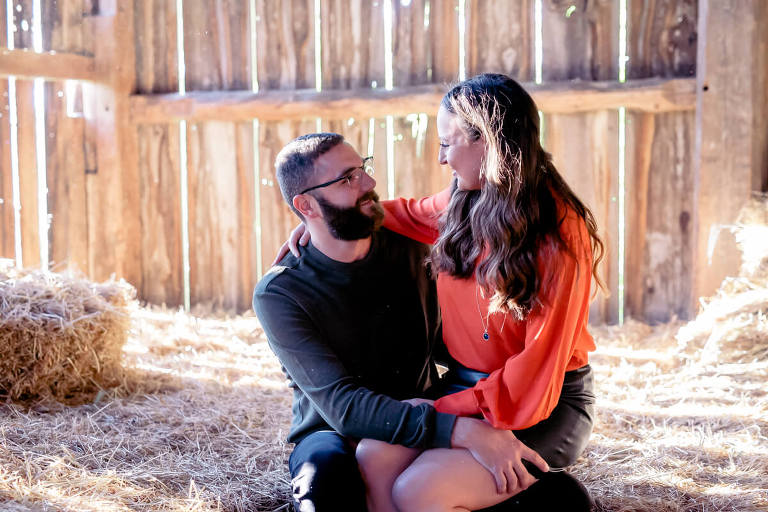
[[459, 151]]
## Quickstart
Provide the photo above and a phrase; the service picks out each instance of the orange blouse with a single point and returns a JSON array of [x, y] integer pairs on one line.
[[526, 360]]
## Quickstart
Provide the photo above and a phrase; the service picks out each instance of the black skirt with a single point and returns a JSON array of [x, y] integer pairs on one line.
[[560, 438]]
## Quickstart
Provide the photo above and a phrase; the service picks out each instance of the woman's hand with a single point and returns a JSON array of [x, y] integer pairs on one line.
[[500, 452], [299, 236]]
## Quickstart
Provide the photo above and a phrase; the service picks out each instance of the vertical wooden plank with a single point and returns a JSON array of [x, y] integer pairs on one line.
[[217, 57], [760, 100], [411, 45], [352, 44], [160, 211], [662, 38], [25, 110], [417, 169], [30, 233], [66, 166], [277, 218], [158, 160], [112, 184], [353, 56], [285, 60], [444, 35], [285, 44], [155, 46], [62, 22], [246, 215], [411, 49], [580, 40], [500, 36], [7, 220], [729, 38]]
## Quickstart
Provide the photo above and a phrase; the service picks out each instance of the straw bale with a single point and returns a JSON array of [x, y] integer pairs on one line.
[[61, 336]]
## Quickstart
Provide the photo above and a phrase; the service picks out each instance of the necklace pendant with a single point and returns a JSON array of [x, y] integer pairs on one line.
[[486, 336]]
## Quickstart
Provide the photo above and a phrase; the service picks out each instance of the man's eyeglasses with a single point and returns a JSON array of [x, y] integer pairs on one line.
[[352, 176]]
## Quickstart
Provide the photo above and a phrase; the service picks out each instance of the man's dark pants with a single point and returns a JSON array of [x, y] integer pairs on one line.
[[324, 474]]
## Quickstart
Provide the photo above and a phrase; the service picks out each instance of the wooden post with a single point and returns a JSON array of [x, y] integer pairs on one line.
[[728, 147], [113, 186]]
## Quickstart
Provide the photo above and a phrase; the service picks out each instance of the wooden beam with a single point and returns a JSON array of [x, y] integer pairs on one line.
[[27, 64], [653, 95]]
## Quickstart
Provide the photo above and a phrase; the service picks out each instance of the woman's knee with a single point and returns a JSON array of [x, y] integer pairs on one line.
[[371, 454], [412, 492], [376, 457]]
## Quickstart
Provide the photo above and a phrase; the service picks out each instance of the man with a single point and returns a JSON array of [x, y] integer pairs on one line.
[[353, 321]]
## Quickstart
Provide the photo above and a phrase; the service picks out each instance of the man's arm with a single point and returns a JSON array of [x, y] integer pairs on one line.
[[348, 407]]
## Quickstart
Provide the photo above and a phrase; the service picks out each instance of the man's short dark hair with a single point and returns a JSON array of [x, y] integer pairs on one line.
[[295, 164]]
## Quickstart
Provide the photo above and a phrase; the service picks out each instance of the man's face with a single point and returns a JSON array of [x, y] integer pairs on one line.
[[350, 208]]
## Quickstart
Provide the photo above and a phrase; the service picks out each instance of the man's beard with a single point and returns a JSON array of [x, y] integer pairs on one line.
[[351, 223]]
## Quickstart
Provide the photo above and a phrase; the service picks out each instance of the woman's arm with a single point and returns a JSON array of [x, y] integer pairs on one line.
[[416, 218]]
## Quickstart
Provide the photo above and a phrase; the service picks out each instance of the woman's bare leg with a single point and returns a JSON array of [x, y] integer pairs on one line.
[[380, 464], [446, 480]]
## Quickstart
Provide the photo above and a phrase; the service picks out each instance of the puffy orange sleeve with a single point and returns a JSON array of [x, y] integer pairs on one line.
[[416, 218], [525, 390]]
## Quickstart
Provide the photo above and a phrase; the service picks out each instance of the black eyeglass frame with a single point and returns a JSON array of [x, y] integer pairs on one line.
[[344, 176]]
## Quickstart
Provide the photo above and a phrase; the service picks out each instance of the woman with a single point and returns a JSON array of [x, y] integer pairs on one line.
[[514, 251]]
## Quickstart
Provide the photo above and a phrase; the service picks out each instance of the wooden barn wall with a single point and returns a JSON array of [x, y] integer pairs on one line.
[[7, 216], [285, 60], [26, 149], [63, 144], [236, 215], [219, 158], [580, 41], [68, 150], [159, 209], [660, 168]]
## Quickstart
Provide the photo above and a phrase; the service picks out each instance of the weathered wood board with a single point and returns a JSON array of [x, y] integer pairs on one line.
[[27, 149], [63, 31], [219, 159], [662, 38], [158, 157], [285, 60], [7, 215], [730, 104], [425, 50], [580, 40]]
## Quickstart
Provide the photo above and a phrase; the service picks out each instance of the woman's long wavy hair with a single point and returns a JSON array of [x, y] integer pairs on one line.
[[514, 214]]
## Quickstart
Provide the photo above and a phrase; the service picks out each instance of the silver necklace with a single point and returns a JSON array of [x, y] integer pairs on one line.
[[486, 321]]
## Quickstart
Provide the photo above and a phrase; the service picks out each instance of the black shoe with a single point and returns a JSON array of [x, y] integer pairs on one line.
[[553, 492], [556, 490]]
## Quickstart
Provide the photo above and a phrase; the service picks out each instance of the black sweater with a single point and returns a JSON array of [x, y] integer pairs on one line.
[[356, 338]]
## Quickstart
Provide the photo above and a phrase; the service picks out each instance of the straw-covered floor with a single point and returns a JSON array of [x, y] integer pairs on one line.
[[199, 421]]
